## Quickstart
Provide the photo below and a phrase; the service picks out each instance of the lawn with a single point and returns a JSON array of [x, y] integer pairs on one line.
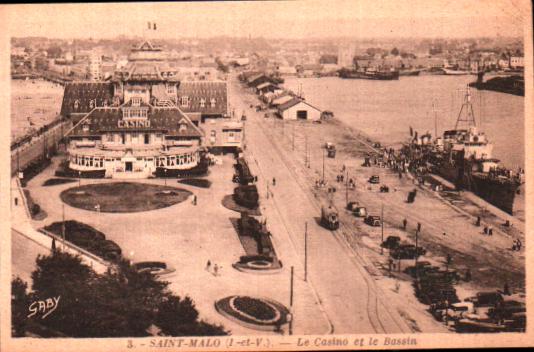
[[123, 197]]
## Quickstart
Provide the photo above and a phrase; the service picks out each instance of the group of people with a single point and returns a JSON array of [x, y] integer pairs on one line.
[[214, 270], [517, 245]]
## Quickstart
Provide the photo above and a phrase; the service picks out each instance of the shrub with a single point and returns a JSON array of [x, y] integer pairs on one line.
[[35, 209]]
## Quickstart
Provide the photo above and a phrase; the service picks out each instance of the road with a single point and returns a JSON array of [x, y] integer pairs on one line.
[[346, 290]]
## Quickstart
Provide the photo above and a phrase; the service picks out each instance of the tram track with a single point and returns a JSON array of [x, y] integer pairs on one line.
[[372, 300]]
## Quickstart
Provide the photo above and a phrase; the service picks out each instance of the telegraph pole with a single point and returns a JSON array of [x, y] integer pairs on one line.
[[324, 149], [293, 137], [382, 223], [63, 224], [306, 251], [291, 304], [347, 188]]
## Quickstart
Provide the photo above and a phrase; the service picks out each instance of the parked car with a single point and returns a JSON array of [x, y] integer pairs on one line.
[[391, 242], [331, 149], [352, 205], [360, 212], [374, 179], [407, 251], [373, 220]]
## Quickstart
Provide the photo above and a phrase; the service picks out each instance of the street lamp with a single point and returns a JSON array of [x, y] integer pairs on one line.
[[165, 178]]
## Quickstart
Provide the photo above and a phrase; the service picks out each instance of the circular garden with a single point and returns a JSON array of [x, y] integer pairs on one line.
[[254, 313], [123, 197]]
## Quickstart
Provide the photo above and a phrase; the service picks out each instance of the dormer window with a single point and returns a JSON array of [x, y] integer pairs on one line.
[[92, 103], [170, 89], [202, 103], [85, 127], [183, 127], [136, 101], [184, 101], [76, 104], [105, 103], [212, 102]]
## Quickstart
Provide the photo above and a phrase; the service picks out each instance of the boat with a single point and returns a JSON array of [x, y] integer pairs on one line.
[[409, 72], [369, 73], [514, 84], [463, 156], [454, 72]]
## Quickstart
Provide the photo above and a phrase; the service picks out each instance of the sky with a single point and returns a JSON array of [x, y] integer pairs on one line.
[[272, 19]]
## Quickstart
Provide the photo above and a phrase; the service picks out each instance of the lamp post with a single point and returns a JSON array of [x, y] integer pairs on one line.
[[165, 178], [306, 251], [324, 150], [382, 223], [79, 178], [290, 315]]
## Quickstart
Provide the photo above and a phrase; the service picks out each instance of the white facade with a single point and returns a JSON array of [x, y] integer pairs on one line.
[[301, 111]]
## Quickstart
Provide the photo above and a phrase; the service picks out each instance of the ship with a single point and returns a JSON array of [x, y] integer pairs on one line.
[[463, 156], [369, 73], [409, 72], [514, 84]]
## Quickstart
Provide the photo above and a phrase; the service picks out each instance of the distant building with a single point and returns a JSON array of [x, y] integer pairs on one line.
[[95, 63], [345, 56], [298, 109], [517, 62]]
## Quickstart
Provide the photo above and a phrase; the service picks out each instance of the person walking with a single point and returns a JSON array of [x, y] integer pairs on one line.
[[216, 270], [404, 224], [274, 181], [478, 221], [208, 265]]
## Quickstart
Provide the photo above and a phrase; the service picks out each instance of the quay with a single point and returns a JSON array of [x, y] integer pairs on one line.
[[296, 158]]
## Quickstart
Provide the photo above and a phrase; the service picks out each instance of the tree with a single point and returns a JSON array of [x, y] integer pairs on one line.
[[395, 52], [122, 302], [19, 307], [54, 52]]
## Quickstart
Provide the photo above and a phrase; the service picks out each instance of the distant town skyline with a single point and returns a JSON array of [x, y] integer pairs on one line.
[[272, 19]]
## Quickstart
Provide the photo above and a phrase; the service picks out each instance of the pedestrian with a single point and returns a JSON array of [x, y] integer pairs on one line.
[[16, 201], [444, 234], [215, 270], [478, 221], [418, 227], [194, 199], [514, 246], [208, 265], [274, 181], [519, 244], [404, 224], [485, 230], [468, 275], [490, 231], [506, 289]]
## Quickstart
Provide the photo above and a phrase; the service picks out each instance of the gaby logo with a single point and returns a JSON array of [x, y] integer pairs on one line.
[[45, 307]]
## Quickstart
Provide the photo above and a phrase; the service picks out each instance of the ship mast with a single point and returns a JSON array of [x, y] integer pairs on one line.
[[469, 118]]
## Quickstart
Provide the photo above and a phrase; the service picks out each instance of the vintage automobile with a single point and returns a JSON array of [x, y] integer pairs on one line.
[[391, 242], [407, 251], [329, 218], [352, 205], [246, 196], [360, 212], [374, 179], [373, 220], [330, 149]]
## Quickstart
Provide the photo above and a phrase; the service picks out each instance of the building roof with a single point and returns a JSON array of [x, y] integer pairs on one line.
[[83, 93], [293, 102], [166, 120], [264, 85], [282, 99], [207, 90]]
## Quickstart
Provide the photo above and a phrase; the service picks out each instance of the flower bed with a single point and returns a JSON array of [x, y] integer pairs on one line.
[[156, 268], [197, 182], [253, 312], [57, 181]]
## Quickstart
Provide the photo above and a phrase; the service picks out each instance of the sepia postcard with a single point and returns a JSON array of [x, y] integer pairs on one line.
[[266, 175]]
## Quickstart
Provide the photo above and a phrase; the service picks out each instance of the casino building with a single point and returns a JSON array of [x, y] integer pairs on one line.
[[145, 122]]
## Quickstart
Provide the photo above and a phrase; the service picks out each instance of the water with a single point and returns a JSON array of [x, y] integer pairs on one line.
[[37, 101], [385, 110]]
